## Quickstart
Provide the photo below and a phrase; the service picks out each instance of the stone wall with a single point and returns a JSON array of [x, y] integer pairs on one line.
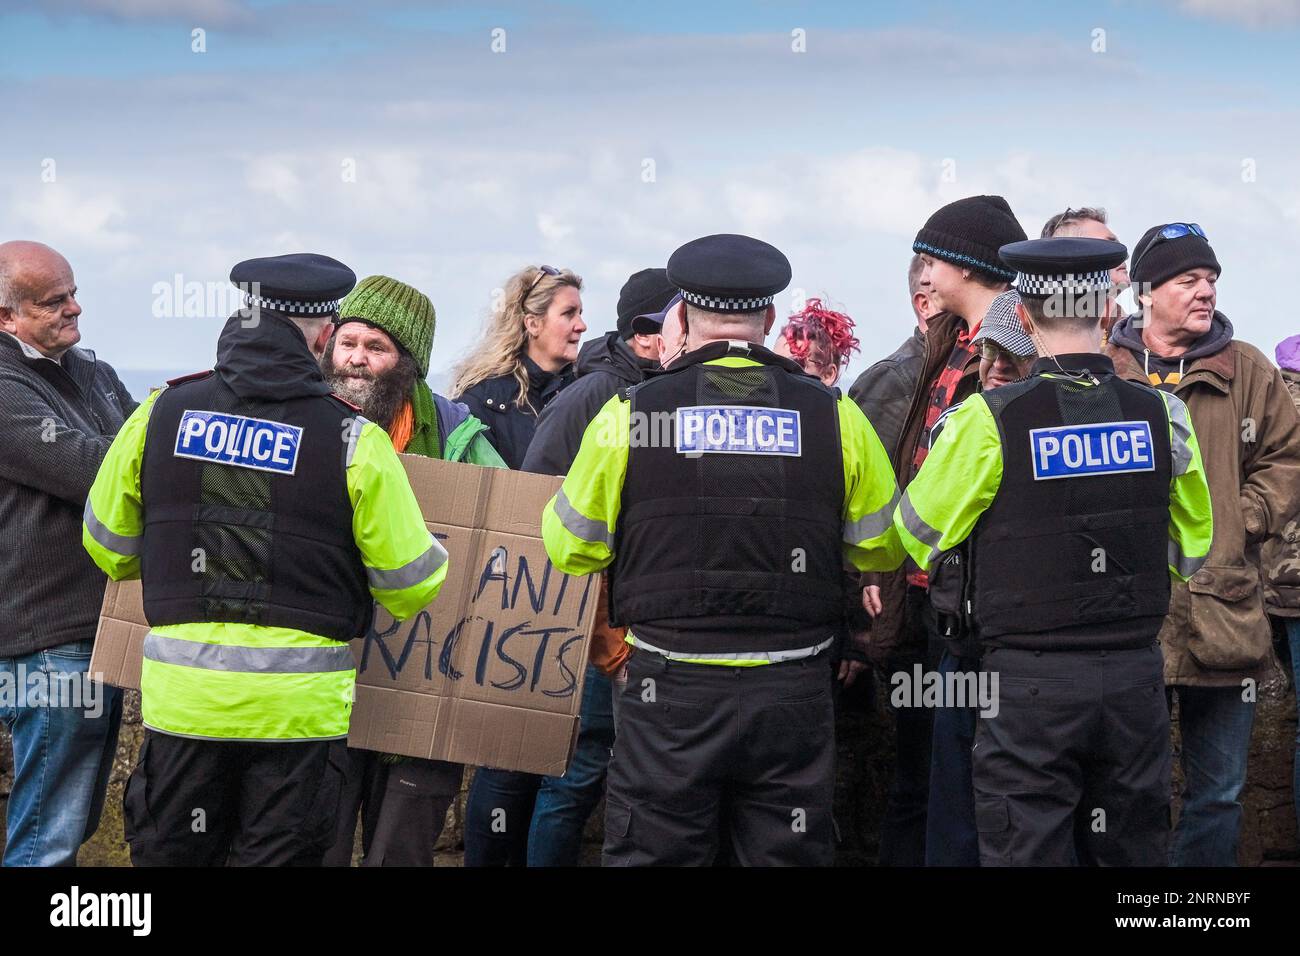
[[865, 767]]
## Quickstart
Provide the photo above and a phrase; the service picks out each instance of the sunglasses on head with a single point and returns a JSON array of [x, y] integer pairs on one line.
[[1175, 230], [541, 271]]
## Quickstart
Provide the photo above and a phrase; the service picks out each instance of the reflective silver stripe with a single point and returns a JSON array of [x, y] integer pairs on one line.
[[767, 657], [411, 573], [118, 543], [1180, 443], [1183, 565], [871, 525], [579, 525], [254, 660], [177, 733], [354, 435], [918, 528]]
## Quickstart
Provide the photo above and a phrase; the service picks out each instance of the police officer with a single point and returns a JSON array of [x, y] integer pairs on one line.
[[726, 492], [1081, 494], [263, 515]]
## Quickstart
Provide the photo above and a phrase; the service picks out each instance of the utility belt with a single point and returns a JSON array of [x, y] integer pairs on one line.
[[950, 597]]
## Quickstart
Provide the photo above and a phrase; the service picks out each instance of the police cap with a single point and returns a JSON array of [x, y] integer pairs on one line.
[[1068, 265], [729, 273], [303, 283]]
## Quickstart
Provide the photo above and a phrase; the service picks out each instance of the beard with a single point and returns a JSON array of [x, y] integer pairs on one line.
[[380, 397]]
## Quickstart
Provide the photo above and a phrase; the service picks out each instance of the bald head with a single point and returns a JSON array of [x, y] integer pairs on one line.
[[38, 297]]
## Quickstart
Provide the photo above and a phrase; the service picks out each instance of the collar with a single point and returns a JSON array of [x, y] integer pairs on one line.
[[1093, 362], [1217, 370], [30, 352], [538, 377], [735, 351]]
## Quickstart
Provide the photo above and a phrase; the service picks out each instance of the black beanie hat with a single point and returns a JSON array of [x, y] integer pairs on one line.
[[969, 232], [643, 293], [1169, 257]]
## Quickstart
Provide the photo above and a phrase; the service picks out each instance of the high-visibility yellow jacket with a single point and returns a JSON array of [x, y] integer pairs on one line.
[[251, 682], [963, 472], [579, 523]]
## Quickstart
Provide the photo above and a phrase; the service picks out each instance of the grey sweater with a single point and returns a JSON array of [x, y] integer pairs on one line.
[[56, 423]]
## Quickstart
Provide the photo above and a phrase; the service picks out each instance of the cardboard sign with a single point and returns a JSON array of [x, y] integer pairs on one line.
[[491, 673]]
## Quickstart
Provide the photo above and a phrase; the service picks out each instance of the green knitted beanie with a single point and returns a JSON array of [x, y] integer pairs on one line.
[[403, 312]]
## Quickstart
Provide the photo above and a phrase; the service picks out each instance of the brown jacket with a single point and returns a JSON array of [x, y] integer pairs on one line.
[[1216, 633], [1281, 552], [894, 639]]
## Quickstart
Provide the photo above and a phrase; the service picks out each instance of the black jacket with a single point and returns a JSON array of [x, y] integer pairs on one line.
[[56, 423], [884, 391], [511, 428], [605, 367]]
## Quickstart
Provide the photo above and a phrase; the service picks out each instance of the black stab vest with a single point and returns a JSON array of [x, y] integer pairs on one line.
[[728, 552], [1073, 562], [229, 543]]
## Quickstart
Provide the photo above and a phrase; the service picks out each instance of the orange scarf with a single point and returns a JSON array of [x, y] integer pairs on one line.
[[403, 427]]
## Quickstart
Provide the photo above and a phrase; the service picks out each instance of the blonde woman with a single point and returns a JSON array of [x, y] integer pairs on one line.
[[525, 358]]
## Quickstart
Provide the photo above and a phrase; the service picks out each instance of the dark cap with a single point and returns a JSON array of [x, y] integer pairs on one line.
[[644, 293], [300, 284], [968, 233], [652, 323], [1157, 258], [1067, 266], [729, 273]]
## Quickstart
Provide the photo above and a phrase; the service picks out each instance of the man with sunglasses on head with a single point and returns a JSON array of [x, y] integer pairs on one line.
[[1089, 222], [1216, 637]]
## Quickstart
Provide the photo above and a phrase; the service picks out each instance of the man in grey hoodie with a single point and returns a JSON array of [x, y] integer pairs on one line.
[[62, 407]]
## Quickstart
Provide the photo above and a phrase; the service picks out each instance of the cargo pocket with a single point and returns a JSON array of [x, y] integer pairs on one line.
[[993, 821], [1228, 628], [618, 826], [318, 830]]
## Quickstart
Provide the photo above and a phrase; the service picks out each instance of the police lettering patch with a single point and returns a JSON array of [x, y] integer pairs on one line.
[[1077, 451], [236, 440], [738, 430]]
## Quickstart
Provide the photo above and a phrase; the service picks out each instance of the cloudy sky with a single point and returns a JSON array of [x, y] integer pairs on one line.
[[450, 143]]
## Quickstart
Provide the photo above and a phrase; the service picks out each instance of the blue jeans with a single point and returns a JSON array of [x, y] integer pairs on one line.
[[564, 803], [498, 812], [64, 730], [1216, 725], [1293, 634], [951, 836]]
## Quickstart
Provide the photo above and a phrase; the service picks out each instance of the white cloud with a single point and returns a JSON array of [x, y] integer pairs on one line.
[[67, 216], [1250, 13]]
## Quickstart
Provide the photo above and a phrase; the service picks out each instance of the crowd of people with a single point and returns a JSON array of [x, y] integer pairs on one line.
[[904, 525]]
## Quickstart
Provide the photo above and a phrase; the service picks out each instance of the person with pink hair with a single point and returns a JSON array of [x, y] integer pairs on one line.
[[819, 339]]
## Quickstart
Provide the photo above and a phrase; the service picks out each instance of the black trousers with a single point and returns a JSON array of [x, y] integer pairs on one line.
[[903, 823], [698, 746], [238, 803], [1074, 768], [403, 808]]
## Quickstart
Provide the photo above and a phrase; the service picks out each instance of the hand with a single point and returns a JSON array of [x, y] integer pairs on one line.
[[871, 602], [849, 671]]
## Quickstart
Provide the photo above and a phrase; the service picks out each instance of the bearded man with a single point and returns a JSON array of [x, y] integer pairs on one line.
[[378, 359]]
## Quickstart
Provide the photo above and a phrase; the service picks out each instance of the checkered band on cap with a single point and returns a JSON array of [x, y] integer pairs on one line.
[[716, 304], [287, 305], [1078, 283]]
